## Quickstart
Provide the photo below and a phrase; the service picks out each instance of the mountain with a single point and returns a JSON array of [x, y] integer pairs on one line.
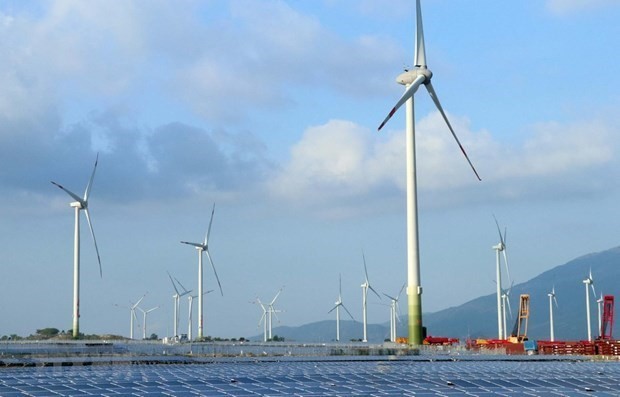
[[478, 317]]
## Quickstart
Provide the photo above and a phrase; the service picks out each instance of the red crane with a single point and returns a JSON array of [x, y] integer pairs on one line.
[[607, 322]]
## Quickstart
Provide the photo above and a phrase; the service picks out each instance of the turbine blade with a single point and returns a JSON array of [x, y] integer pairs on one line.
[[173, 284], [90, 182], [499, 231], [92, 233], [406, 96], [365, 269], [215, 272], [373, 290], [138, 302], [349, 313], [593, 291], [70, 193], [420, 51], [433, 94], [182, 286], [276, 297], [210, 223], [509, 307], [555, 300], [506, 263], [401, 291], [391, 297], [192, 244], [333, 308], [339, 285]]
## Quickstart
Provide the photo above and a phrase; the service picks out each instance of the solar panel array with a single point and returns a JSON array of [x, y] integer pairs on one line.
[[319, 378]]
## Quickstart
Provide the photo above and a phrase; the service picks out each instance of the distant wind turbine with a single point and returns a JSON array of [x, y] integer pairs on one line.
[[365, 287], [412, 79], [589, 283], [337, 307], [599, 304], [204, 247], [263, 318], [80, 204], [552, 300], [500, 247], [394, 313], [144, 313], [190, 298], [177, 305], [272, 311]]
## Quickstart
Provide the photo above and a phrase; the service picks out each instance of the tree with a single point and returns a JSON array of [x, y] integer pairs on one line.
[[48, 332]]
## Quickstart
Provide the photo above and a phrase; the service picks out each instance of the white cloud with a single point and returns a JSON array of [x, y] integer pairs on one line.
[[343, 163], [563, 7]]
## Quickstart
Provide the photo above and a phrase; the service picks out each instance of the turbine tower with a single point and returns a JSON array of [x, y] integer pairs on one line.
[[506, 303], [144, 314], [263, 319], [132, 310], [337, 306], [177, 305], [80, 204], [272, 311], [190, 327], [589, 283], [394, 313], [552, 299], [599, 303], [204, 247], [365, 288], [412, 79], [500, 247]]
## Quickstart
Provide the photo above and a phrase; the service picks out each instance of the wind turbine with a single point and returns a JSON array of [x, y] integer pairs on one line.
[[176, 297], [500, 247], [263, 319], [599, 303], [204, 247], [412, 79], [506, 303], [144, 313], [394, 312], [337, 306], [589, 282], [272, 311], [80, 204], [552, 299], [365, 288], [133, 315], [190, 298]]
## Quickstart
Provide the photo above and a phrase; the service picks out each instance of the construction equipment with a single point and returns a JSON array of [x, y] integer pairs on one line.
[[519, 332], [607, 322]]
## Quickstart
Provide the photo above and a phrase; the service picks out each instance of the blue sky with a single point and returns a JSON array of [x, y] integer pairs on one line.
[[270, 109]]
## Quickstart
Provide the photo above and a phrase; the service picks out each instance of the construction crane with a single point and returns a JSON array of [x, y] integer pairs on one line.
[[607, 322], [519, 332]]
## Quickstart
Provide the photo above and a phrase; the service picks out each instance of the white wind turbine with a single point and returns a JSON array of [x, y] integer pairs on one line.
[[500, 247], [394, 312], [177, 305], [506, 303], [272, 311], [412, 79], [552, 300], [132, 309], [365, 287], [144, 314], [589, 283], [190, 299], [337, 307], [599, 304], [263, 319], [80, 204], [204, 247]]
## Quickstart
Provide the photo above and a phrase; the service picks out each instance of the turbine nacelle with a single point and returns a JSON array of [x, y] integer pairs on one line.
[[409, 76]]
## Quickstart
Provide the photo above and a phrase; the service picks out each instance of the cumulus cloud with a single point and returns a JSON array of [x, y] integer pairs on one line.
[[344, 161]]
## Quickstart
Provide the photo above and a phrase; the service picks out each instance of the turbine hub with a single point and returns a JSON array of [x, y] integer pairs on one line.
[[78, 205], [406, 78]]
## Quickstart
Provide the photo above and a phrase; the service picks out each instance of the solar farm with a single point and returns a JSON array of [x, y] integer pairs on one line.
[[370, 376]]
